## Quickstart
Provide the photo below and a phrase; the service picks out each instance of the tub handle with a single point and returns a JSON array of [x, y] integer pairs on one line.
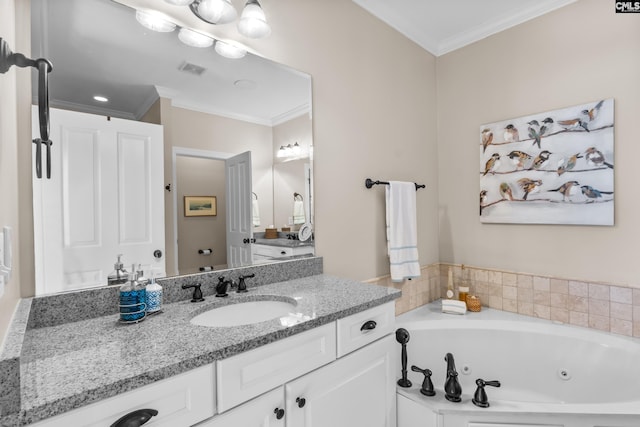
[[427, 384], [369, 325], [480, 398]]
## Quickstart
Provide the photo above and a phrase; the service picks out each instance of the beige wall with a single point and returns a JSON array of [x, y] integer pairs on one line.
[[8, 163], [201, 177], [192, 129], [578, 54], [288, 176], [374, 115]]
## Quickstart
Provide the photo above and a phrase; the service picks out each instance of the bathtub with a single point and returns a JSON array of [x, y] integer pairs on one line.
[[551, 374]]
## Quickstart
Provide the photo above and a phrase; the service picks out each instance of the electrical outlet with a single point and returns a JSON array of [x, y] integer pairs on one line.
[[290, 220]]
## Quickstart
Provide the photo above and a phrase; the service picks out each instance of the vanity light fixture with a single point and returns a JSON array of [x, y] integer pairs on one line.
[[194, 39], [214, 11], [289, 150], [179, 2], [229, 51], [155, 21], [253, 22]]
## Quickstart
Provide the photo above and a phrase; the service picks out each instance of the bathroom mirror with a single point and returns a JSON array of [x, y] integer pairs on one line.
[[241, 105]]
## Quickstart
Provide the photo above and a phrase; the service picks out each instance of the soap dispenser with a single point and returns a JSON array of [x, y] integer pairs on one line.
[[133, 306], [154, 296], [119, 276]]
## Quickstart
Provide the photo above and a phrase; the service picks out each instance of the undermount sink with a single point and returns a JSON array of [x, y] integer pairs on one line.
[[244, 313]]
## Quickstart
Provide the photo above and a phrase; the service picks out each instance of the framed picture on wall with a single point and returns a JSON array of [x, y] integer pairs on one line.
[[200, 206], [555, 167]]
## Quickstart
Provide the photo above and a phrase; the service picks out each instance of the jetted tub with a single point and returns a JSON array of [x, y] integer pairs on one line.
[[551, 374]]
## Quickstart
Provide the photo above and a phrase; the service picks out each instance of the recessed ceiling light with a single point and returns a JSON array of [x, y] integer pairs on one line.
[[100, 98], [245, 84]]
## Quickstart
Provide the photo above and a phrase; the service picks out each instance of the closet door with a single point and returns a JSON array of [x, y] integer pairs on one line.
[[105, 197]]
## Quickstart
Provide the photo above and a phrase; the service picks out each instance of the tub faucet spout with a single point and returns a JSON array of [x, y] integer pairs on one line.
[[452, 389]]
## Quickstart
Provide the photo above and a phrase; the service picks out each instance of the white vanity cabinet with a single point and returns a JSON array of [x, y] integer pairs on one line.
[[181, 401], [355, 390], [340, 374], [266, 252]]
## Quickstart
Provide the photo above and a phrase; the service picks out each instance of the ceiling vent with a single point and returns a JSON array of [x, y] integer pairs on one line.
[[194, 69]]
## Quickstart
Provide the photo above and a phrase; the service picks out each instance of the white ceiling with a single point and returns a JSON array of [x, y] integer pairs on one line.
[[441, 26], [98, 48]]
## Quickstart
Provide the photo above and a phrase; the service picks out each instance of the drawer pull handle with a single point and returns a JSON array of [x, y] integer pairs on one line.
[[369, 325], [301, 401], [283, 252], [135, 418], [279, 413]]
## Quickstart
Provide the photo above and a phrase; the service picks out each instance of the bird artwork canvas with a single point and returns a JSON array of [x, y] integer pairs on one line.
[[555, 167]]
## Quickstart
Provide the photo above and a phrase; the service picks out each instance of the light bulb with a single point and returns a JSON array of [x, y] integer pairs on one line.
[[180, 2], [154, 21], [253, 23], [229, 51], [281, 152], [215, 11], [194, 39]]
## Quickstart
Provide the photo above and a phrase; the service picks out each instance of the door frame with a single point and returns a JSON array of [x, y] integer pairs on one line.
[[187, 152]]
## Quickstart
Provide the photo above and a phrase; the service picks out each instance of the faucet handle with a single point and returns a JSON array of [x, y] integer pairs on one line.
[[197, 292], [480, 396], [427, 385], [242, 286]]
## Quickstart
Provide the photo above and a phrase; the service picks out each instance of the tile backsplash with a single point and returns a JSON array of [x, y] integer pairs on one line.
[[606, 307]]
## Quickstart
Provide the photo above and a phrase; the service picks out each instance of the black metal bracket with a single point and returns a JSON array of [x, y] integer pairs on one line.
[[44, 67]]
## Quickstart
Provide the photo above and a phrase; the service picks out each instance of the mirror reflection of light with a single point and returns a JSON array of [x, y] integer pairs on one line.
[[229, 51], [154, 21], [194, 39], [180, 2], [100, 98]]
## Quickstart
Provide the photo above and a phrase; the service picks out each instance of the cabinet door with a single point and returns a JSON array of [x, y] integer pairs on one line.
[[356, 390], [263, 411]]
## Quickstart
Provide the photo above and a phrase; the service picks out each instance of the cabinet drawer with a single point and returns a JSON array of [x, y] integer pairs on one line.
[[271, 251], [254, 372], [353, 332], [259, 412], [182, 400]]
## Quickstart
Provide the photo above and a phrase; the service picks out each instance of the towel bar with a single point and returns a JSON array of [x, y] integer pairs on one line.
[[370, 183]]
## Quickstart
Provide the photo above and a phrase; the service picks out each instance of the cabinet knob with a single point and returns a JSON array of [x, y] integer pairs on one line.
[[135, 418], [301, 401], [369, 325], [279, 413]]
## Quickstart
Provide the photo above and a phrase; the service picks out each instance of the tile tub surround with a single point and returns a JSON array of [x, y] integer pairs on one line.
[[606, 307], [73, 364], [415, 292]]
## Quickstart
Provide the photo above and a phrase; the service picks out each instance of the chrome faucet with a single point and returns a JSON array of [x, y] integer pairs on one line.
[[452, 389]]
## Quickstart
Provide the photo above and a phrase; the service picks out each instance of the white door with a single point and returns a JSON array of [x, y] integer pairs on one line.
[[238, 191], [356, 390], [105, 197], [263, 411]]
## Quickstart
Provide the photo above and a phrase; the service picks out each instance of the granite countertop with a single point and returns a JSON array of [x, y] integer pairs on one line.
[[70, 365], [285, 243]]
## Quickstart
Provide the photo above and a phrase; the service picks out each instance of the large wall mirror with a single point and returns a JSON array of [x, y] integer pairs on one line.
[[209, 110]]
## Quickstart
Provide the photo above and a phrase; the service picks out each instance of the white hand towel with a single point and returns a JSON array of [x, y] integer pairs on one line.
[[298, 212], [402, 230], [255, 213]]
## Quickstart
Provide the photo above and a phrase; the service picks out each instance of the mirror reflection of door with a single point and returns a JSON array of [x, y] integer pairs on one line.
[[239, 218], [103, 199], [197, 176]]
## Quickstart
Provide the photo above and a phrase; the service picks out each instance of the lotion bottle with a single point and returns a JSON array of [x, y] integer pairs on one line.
[[154, 296], [450, 284]]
